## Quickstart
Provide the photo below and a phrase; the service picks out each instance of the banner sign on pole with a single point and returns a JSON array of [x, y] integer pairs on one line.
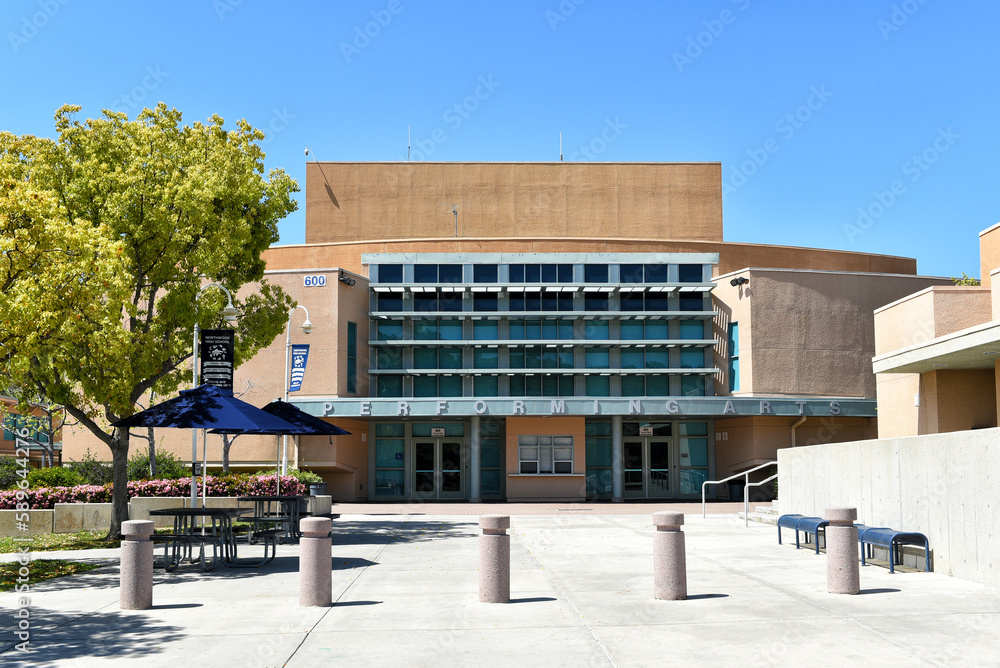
[[300, 355], [217, 357]]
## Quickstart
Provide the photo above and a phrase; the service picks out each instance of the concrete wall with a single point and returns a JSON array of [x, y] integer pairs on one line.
[[349, 201], [941, 485]]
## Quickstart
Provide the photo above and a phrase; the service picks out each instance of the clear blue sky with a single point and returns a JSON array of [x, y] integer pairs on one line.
[[815, 110]]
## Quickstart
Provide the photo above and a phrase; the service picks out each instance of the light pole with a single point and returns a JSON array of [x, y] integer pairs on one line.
[[228, 315], [306, 328]]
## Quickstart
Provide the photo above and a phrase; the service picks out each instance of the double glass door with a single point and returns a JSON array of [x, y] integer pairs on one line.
[[438, 469], [647, 467]]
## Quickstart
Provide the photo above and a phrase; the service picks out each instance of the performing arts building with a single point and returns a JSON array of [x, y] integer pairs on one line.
[[559, 331]]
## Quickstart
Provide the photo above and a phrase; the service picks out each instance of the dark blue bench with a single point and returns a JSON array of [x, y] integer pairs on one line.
[[807, 525], [892, 540]]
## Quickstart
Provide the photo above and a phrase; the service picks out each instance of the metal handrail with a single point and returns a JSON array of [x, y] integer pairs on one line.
[[744, 474], [746, 497]]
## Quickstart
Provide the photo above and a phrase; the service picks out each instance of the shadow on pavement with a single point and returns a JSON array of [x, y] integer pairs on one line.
[[62, 636]]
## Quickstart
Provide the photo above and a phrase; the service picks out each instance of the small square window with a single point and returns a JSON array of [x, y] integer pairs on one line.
[[390, 273]]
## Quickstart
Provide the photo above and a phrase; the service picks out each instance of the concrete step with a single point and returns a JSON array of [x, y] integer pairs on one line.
[[760, 518]]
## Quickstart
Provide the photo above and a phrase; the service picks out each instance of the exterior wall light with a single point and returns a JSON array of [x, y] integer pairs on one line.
[[347, 280], [736, 282]]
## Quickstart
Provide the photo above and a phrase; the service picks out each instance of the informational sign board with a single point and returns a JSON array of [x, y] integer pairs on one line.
[[437, 432], [217, 357], [300, 355], [645, 431]]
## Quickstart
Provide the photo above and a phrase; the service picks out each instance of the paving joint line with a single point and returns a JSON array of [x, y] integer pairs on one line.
[[389, 542], [562, 593]]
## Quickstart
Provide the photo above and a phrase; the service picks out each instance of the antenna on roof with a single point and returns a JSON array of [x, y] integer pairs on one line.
[[454, 210], [407, 143], [560, 147]]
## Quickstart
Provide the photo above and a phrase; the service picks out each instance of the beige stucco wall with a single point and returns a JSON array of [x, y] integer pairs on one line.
[[898, 414], [941, 485], [956, 400], [932, 312], [989, 254], [555, 487], [810, 333], [347, 201]]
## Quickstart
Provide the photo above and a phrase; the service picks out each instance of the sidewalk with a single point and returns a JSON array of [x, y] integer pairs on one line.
[[405, 593]]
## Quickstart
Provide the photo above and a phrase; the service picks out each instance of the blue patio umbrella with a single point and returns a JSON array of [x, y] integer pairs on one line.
[[304, 423], [208, 407]]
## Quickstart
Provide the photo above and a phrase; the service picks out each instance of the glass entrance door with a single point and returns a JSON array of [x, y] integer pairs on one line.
[[438, 471], [647, 468]]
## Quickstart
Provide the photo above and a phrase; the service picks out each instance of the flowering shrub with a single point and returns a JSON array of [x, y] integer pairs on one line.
[[42, 498]]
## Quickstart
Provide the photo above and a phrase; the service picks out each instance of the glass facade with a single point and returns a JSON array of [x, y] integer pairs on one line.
[[603, 326]]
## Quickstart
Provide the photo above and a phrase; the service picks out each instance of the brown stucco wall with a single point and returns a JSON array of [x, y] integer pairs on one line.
[[553, 488], [812, 333], [349, 201], [956, 400], [732, 256]]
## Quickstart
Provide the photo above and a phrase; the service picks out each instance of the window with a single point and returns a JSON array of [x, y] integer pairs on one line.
[[485, 330], [434, 386], [485, 386], [689, 273], [595, 273], [734, 356], [630, 273], [390, 302], [390, 358], [484, 301], [450, 273], [657, 273], [390, 331], [596, 330], [352, 356], [692, 358], [425, 301], [631, 330], [534, 357], [450, 301], [425, 273], [692, 386], [545, 455], [598, 386], [692, 329], [631, 301], [595, 301], [597, 358], [484, 273], [541, 386], [390, 386], [598, 445], [485, 358], [390, 273], [692, 301]]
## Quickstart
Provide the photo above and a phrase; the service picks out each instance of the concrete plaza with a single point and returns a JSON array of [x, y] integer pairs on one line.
[[405, 592]]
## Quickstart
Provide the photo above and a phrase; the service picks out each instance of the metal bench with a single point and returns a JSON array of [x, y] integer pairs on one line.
[[807, 525], [892, 540]]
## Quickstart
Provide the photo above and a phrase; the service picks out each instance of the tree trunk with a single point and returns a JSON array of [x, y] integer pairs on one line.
[[152, 452], [119, 495]]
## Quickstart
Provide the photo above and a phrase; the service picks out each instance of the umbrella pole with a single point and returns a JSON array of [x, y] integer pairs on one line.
[[204, 466], [277, 471]]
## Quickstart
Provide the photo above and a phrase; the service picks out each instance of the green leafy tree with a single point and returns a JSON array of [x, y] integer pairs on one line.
[[107, 233], [965, 280]]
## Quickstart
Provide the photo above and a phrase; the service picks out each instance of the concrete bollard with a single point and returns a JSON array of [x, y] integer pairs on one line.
[[669, 561], [842, 570], [136, 578], [315, 562], [494, 559]]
